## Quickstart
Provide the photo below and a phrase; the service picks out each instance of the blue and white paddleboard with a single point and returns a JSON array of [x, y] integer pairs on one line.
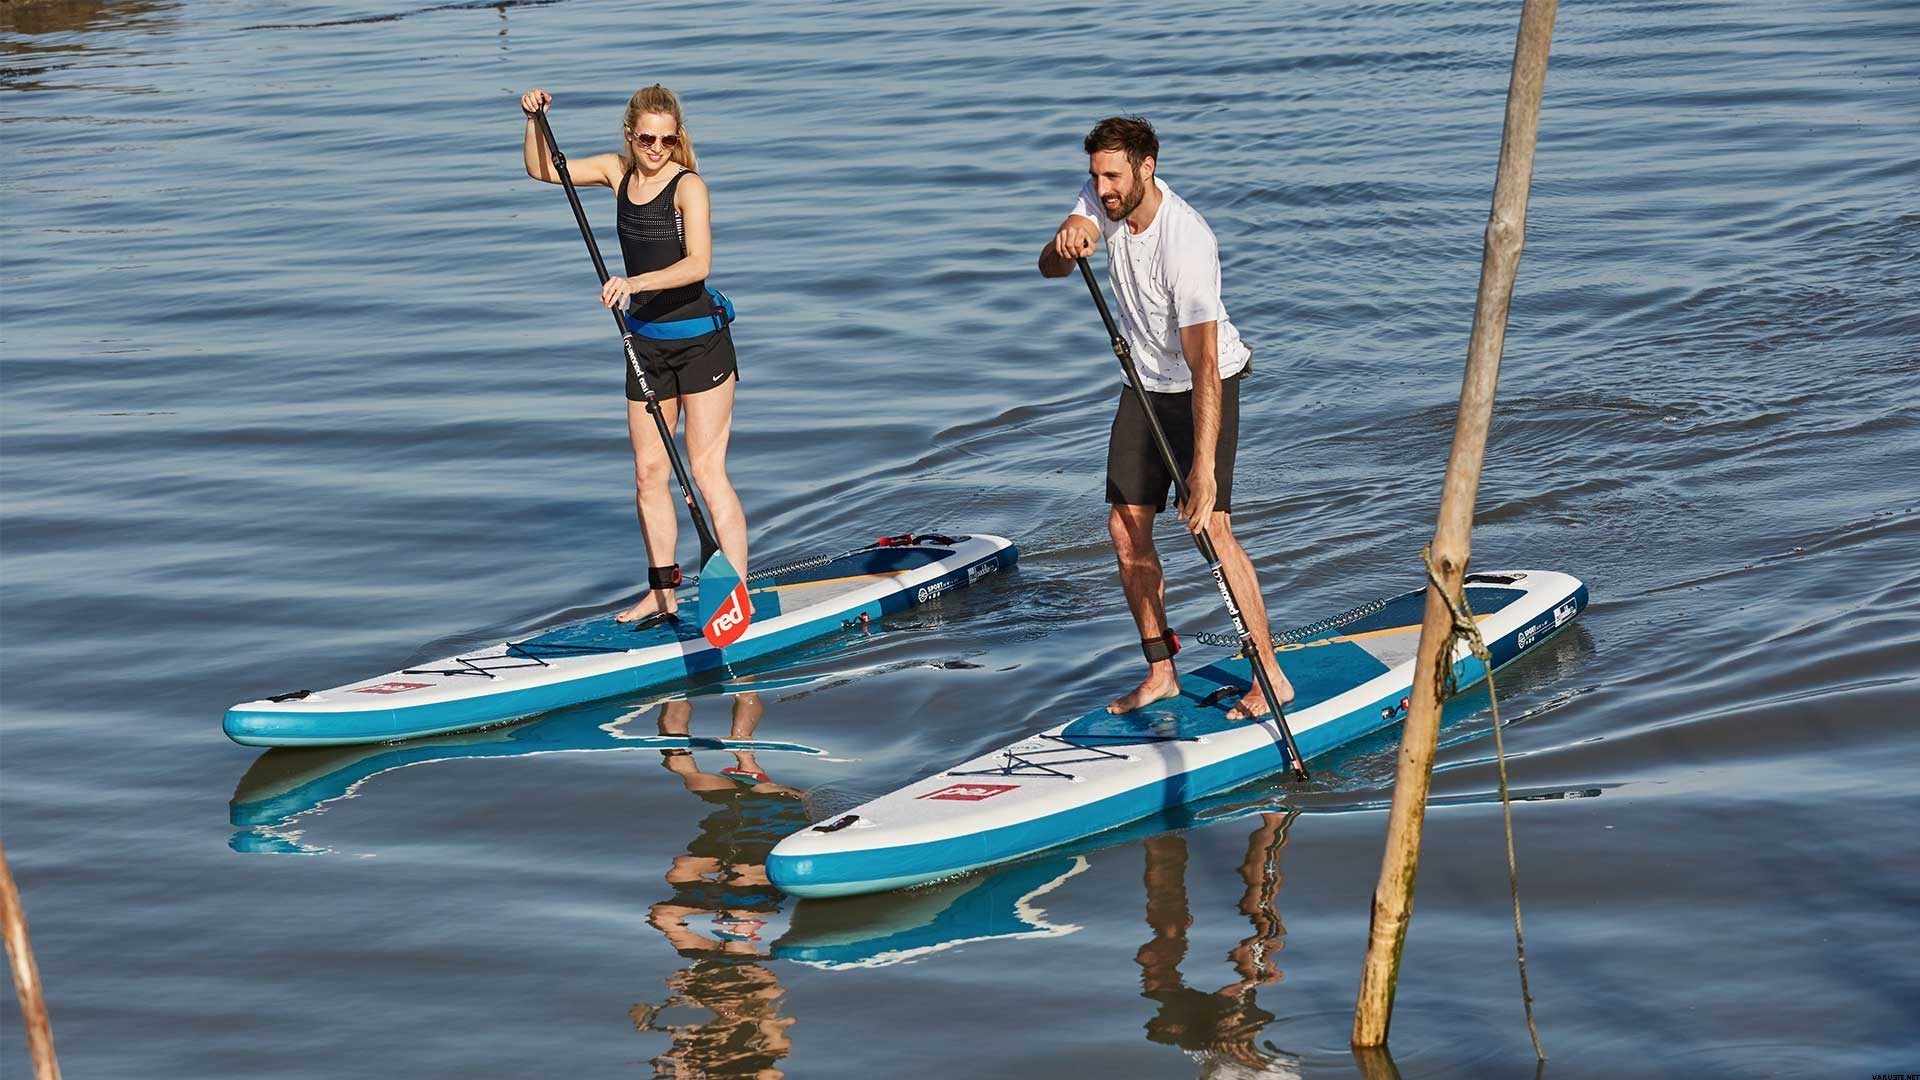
[[599, 658], [1351, 675], [1004, 903]]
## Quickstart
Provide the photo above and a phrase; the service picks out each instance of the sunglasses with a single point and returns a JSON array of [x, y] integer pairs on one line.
[[645, 140]]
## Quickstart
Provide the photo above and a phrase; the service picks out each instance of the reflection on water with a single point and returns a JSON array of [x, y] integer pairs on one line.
[[1217, 1029], [71, 16], [34, 64], [883, 929], [286, 786], [722, 1011], [499, 6], [721, 912]]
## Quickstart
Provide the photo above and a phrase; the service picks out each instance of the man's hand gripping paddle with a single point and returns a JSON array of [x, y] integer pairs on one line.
[[723, 609], [1125, 354]]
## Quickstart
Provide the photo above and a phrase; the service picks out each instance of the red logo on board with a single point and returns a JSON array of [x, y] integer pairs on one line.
[[392, 687], [730, 621], [969, 792]]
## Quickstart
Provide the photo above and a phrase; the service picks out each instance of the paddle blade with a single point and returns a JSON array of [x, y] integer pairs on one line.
[[724, 611]]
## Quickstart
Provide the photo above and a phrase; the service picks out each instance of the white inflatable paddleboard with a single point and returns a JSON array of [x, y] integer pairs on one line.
[[1351, 675]]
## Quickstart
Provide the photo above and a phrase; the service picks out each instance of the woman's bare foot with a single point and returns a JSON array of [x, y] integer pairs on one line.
[[1162, 682], [657, 602]]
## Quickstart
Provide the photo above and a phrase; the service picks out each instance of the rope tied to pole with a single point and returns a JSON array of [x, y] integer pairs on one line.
[[1466, 629]]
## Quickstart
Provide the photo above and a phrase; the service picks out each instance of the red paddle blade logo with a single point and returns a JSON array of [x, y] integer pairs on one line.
[[730, 621]]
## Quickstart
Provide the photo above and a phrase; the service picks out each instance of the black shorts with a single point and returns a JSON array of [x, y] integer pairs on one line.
[[1136, 473], [683, 367]]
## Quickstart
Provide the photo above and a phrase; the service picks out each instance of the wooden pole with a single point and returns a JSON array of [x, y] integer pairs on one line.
[[26, 978], [1452, 536]]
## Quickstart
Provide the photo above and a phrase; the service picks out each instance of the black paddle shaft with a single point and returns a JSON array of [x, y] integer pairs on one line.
[[1200, 539], [707, 544]]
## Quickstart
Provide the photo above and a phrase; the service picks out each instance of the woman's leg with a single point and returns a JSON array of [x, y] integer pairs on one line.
[[709, 426], [659, 515]]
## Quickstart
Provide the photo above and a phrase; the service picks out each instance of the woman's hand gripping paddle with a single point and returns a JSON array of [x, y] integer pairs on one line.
[[723, 609], [1125, 354]]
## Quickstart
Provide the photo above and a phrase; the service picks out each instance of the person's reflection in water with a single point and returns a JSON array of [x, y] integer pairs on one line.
[[1216, 1029], [718, 913]]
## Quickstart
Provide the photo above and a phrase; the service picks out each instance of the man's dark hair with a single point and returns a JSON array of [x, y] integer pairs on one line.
[[1129, 133]]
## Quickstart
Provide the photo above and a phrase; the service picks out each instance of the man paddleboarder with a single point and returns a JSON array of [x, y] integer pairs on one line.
[[1164, 266]]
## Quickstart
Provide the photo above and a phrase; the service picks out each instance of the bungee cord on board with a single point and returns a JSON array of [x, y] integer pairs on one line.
[[1298, 633]]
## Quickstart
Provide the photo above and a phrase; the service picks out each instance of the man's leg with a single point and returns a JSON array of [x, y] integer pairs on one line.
[[1233, 559], [1146, 588]]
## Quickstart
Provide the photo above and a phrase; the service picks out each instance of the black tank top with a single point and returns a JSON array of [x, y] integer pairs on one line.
[[652, 237]]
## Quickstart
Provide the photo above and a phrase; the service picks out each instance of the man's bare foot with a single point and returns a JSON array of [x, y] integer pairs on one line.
[[1162, 682], [1255, 703], [658, 602]]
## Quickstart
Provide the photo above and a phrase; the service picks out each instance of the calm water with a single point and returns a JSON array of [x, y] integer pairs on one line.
[[302, 379]]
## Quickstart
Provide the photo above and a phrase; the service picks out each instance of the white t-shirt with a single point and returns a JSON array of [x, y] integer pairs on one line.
[[1164, 278]]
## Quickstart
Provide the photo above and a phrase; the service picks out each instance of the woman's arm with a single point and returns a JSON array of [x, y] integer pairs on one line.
[[696, 216], [599, 170]]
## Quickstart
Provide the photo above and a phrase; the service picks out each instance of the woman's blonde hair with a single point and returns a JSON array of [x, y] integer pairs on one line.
[[659, 99]]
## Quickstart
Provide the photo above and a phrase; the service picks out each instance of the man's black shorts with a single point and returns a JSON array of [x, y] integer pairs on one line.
[[678, 368], [1136, 474]]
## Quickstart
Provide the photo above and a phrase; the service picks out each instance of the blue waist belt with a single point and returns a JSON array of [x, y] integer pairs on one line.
[[680, 329]]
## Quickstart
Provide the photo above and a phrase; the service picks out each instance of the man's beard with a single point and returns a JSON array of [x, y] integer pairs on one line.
[[1128, 206]]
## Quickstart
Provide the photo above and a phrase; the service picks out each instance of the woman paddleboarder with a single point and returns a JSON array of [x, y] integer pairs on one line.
[[666, 237]]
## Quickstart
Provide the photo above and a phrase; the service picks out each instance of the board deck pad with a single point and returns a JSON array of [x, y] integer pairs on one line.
[[599, 657], [837, 579], [1351, 674], [1320, 667]]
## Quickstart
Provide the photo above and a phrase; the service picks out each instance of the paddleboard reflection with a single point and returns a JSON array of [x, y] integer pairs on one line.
[[276, 801], [1218, 1029]]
